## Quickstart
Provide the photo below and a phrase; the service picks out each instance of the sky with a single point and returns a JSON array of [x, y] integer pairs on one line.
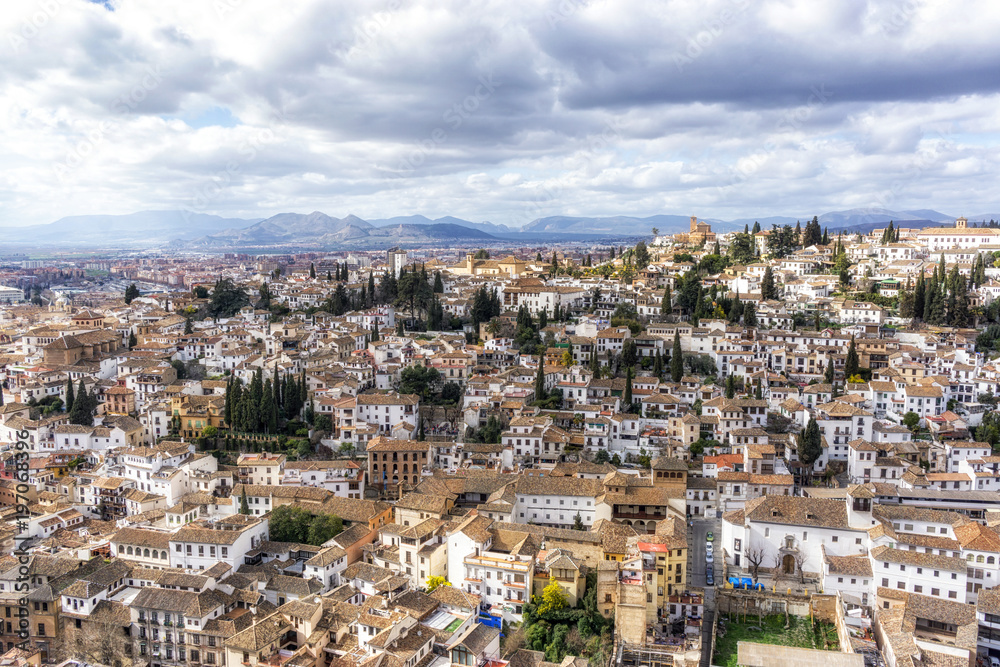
[[499, 110]]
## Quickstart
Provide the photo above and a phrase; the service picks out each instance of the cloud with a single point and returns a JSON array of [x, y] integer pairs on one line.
[[724, 108]]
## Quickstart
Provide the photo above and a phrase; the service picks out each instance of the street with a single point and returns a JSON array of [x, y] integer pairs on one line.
[[696, 578]]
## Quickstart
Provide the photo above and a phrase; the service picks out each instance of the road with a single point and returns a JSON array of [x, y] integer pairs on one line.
[[696, 578]]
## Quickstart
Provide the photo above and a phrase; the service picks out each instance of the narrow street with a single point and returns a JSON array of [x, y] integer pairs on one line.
[[697, 567]]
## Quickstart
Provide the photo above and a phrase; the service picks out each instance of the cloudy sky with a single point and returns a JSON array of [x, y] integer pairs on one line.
[[500, 110]]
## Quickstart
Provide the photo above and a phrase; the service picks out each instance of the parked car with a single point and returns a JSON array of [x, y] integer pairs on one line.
[[710, 537], [709, 558], [709, 549], [710, 578]]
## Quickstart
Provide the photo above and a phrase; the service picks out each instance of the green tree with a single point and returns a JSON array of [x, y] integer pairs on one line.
[[666, 305], [768, 290], [911, 420], [312, 270], [324, 527], [69, 394], [677, 359], [578, 522], [131, 293], [290, 523], [627, 397], [244, 503], [630, 354], [417, 380], [851, 365], [641, 256], [84, 404], [540, 378], [810, 443], [226, 299], [741, 249]]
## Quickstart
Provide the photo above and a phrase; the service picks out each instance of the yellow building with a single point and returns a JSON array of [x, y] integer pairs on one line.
[[509, 266], [559, 566], [701, 233], [196, 413]]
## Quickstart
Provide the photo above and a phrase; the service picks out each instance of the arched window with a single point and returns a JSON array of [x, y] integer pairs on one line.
[[129, 551], [156, 554], [990, 560], [163, 555], [145, 553], [980, 559]]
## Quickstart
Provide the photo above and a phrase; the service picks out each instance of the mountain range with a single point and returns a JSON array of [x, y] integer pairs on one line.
[[186, 230]]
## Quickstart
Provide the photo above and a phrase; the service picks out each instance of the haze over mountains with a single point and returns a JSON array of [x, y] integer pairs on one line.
[[186, 230]]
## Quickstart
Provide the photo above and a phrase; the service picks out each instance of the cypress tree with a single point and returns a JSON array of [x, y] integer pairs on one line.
[[676, 359], [767, 289], [227, 411], [132, 341], [290, 392], [810, 443], [666, 306], [851, 365], [595, 366], [312, 270], [658, 365], [929, 294], [244, 504], [627, 398], [374, 336], [731, 386], [438, 283], [69, 394], [961, 318], [735, 310], [540, 378], [919, 294], [268, 415], [276, 388], [828, 373]]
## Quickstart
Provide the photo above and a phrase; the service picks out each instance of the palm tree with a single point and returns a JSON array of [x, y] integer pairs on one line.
[[656, 232]]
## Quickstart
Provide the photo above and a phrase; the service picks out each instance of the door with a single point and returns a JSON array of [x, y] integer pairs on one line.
[[788, 564]]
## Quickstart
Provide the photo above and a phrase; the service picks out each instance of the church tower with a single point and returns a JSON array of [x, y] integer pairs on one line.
[[961, 223]]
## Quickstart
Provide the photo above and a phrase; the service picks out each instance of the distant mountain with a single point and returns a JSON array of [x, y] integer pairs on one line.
[[487, 227], [636, 226], [183, 229], [144, 228], [321, 230], [620, 224]]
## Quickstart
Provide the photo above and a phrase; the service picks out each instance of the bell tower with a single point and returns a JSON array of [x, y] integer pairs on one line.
[[961, 223]]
